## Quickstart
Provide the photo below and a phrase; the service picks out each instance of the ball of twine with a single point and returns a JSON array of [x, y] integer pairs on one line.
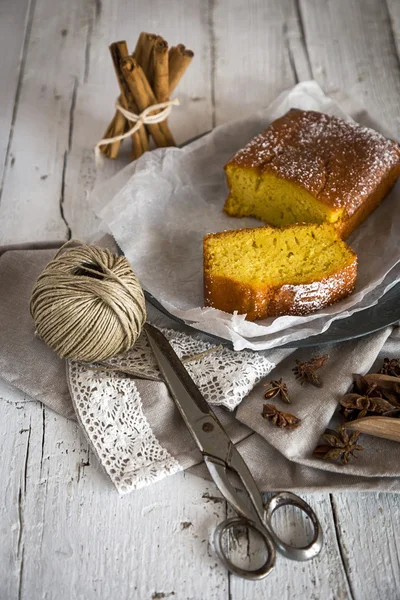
[[88, 304]]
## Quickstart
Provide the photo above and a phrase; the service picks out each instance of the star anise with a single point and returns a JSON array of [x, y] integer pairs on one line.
[[391, 366], [279, 418], [305, 371], [364, 404], [277, 387], [340, 445]]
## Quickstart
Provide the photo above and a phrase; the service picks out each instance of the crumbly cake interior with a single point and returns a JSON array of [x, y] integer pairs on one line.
[[274, 200], [308, 167], [268, 256]]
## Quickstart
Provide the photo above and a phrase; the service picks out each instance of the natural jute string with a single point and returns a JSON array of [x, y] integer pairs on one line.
[[88, 304], [143, 119]]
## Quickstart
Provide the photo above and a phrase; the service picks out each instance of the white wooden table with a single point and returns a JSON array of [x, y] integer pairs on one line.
[[65, 533]]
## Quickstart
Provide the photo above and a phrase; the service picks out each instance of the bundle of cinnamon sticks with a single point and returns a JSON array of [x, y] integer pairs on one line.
[[145, 78]]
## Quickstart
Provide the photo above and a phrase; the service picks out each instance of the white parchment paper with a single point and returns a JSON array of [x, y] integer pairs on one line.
[[160, 207]]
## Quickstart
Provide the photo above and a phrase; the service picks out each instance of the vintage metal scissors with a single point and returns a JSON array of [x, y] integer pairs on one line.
[[221, 457]]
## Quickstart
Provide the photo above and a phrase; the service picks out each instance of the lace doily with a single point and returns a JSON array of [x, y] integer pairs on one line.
[[109, 407], [224, 376]]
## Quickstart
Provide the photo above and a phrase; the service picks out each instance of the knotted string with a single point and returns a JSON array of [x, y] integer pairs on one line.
[[144, 118]]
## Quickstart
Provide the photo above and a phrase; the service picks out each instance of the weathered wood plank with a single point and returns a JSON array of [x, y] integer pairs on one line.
[[367, 526], [252, 46], [33, 190], [296, 44], [15, 21], [16, 440], [351, 48], [394, 15], [69, 535]]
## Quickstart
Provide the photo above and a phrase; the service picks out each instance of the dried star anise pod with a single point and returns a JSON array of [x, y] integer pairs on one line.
[[364, 404], [340, 445], [305, 371], [391, 366], [279, 418], [277, 387]]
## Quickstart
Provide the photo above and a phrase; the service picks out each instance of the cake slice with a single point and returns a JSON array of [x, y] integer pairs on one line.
[[266, 272], [314, 168]]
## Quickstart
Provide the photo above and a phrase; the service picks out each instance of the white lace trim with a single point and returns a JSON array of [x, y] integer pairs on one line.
[[224, 376], [109, 406], [110, 410]]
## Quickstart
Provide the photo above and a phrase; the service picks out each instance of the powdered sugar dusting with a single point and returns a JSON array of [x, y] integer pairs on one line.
[[308, 298], [338, 161]]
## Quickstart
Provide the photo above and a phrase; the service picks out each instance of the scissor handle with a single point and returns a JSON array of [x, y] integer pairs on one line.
[[258, 517], [233, 523], [293, 552], [270, 538]]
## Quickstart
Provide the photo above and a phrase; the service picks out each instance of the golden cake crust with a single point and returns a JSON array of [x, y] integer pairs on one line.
[[229, 295], [340, 163]]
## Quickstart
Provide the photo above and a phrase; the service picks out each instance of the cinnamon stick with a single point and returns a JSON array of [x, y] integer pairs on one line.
[[143, 56], [160, 70], [144, 143], [144, 97], [144, 52], [179, 60], [140, 143], [137, 53], [117, 124]]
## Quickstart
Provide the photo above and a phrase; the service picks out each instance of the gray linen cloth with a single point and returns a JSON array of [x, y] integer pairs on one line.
[[279, 459]]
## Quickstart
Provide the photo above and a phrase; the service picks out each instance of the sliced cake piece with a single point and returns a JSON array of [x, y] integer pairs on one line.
[[309, 167], [266, 272]]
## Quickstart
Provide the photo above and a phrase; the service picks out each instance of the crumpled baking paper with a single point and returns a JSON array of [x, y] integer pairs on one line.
[[159, 208]]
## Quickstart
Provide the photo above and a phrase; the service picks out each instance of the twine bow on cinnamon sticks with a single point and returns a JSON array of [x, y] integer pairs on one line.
[[146, 81]]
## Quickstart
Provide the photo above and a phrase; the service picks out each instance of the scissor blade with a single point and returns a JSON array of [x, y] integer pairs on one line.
[[172, 369], [198, 416]]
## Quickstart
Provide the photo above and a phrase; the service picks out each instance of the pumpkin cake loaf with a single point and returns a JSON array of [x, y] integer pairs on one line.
[[266, 272], [312, 167]]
